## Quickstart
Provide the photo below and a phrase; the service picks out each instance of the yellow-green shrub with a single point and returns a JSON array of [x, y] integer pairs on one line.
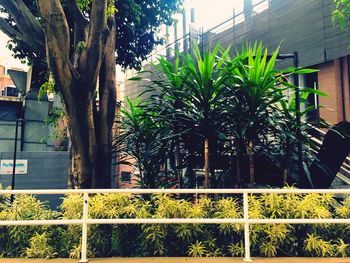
[[176, 240]]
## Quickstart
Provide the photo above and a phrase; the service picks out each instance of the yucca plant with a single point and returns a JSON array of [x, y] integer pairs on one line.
[[188, 98], [206, 108], [206, 80], [258, 90], [258, 86], [141, 138], [165, 97]]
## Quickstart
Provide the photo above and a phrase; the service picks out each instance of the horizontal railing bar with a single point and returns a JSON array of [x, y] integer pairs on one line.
[[40, 222], [232, 17], [217, 221], [137, 221], [346, 166], [177, 191], [300, 221]]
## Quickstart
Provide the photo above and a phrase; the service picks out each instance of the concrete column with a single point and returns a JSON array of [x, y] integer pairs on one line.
[[193, 15], [167, 52], [248, 9], [177, 47], [184, 30]]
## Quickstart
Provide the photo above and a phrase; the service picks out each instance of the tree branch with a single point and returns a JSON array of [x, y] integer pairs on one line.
[[79, 24], [91, 58], [10, 31], [57, 42], [107, 79], [26, 23], [107, 105], [76, 13]]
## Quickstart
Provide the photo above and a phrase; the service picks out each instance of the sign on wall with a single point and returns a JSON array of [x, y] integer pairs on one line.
[[6, 166]]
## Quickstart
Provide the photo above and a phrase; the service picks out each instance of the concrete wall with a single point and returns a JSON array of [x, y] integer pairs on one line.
[[34, 133], [46, 170]]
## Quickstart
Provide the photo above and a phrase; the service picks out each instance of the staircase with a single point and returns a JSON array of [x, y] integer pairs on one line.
[[342, 179]]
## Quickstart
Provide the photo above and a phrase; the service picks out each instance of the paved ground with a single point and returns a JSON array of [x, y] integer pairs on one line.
[[183, 260]]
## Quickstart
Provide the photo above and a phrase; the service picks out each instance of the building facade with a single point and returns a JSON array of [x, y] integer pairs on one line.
[[295, 25], [5, 81]]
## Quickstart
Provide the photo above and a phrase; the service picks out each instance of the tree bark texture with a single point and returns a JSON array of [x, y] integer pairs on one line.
[[251, 163], [206, 164], [80, 53], [238, 169], [107, 105], [28, 28], [178, 161]]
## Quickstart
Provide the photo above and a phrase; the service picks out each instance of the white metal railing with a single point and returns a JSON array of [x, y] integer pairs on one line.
[[85, 220]]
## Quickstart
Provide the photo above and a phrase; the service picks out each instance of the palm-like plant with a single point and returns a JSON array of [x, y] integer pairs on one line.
[[205, 82], [260, 93], [286, 128], [258, 86], [209, 105], [189, 100], [141, 139], [166, 99]]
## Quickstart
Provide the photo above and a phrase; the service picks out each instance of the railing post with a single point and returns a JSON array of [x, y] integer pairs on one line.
[[246, 229], [84, 229]]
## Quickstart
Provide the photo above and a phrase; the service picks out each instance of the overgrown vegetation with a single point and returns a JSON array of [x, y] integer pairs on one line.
[[193, 240], [225, 115]]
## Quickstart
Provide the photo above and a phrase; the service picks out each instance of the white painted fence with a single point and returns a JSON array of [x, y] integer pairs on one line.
[[85, 220]]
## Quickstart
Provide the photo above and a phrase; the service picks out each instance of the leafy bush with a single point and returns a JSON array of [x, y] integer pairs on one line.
[[39, 247], [15, 240], [195, 240], [213, 111]]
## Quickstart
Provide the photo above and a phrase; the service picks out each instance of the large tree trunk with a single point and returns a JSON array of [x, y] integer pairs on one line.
[[107, 107], [83, 138], [76, 70]]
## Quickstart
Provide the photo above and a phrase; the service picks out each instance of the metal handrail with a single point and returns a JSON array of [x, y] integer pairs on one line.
[[232, 17], [168, 45], [85, 220]]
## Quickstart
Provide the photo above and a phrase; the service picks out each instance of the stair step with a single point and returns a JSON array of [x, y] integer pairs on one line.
[[340, 180]]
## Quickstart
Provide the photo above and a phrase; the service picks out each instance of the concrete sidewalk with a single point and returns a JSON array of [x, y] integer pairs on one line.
[[182, 260]]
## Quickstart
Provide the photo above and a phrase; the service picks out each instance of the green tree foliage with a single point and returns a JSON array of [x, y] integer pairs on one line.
[[341, 14], [137, 24]]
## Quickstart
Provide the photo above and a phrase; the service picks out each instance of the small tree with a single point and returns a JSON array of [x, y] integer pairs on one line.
[[259, 88], [142, 139]]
